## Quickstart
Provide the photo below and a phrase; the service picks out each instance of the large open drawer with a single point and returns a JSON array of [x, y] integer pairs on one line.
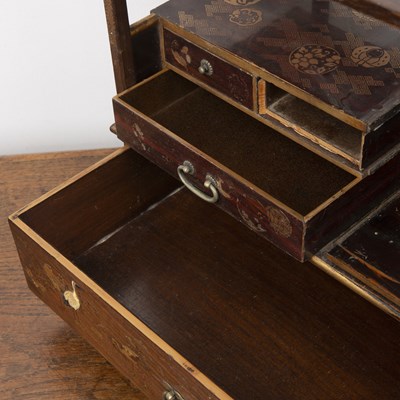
[[175, 293], [279, 189]]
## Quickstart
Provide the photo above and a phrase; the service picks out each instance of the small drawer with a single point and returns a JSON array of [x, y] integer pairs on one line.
[[356, 147], [208, 69], [277, 188]]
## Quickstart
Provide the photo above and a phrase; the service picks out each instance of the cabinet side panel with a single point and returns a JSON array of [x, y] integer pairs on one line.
[[145, 42]]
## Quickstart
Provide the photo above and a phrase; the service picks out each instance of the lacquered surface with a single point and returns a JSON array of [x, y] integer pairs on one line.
[[342, 57]]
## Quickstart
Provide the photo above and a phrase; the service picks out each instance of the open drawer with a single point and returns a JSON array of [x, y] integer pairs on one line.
[[280, 190], [180, 297], [358, 146]]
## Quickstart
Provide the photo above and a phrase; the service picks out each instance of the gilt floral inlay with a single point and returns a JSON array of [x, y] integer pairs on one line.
[[279, 222], [181, 54], [255, 221], [246, 17], [314, 59]]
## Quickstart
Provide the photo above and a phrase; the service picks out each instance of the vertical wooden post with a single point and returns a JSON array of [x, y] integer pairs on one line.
[[120, 43]]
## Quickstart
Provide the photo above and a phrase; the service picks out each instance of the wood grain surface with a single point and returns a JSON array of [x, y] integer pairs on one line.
[[120, 43], [41, 357]]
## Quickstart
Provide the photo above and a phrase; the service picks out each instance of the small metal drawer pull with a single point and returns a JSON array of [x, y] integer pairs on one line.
[[206, 68], [172, 395], [72, 297], [187, 169]]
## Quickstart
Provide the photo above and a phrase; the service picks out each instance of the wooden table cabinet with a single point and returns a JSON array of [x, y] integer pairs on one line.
[[251, 127]]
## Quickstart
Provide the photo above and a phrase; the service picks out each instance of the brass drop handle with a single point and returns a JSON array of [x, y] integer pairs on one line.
[[187, 169], [206, 68], [172, 395], [71, 297]]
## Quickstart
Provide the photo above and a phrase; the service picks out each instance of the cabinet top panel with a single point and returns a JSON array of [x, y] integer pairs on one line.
[[337, 55]]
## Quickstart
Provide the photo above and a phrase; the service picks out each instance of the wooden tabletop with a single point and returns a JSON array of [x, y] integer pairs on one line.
[[41, 357]]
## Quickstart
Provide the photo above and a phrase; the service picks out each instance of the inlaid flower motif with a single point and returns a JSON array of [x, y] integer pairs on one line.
[[181, 54], [314, 59], [279, 222], [246, 17]]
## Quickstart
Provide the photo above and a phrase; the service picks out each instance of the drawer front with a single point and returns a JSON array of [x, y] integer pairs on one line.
[[235, 197], [125, 346], [217, 73]]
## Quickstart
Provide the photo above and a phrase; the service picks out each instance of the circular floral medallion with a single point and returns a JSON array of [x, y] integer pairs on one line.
[[370, 56], [314, 59], [242, 2], [246, 17], [279, 222]]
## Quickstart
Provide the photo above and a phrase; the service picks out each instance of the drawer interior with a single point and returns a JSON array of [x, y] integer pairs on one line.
[[329, 132], [277, 165], [251, 318], [310, 121]]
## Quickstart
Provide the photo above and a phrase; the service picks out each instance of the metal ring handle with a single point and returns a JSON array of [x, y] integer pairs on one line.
[[187, 169]]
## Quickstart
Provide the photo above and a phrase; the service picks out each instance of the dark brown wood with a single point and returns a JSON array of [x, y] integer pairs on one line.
[[125, 347], [355, 149], [145, 42], [41, 357], [335, 134], [385, 10], [120, 43], [107, 197], [371, 254], [271, 184], [361, 149], [255, 321], [372, 190], [382, 141], [227, 79]]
